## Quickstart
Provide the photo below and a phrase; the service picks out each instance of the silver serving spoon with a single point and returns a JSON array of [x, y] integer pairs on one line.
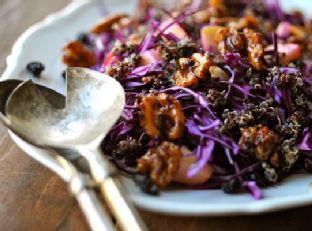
[[80, 184], [94, 102]]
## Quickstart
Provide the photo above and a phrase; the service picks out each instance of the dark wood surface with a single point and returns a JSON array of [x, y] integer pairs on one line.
[[32, 198]]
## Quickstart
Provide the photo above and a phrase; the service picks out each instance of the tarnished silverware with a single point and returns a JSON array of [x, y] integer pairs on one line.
[[80, 184], [94, 102]]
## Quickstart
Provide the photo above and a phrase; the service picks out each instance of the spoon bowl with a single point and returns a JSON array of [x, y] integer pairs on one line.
[[93, 104]]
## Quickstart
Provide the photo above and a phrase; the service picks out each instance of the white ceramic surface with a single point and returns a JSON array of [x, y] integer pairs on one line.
[[44, 42]]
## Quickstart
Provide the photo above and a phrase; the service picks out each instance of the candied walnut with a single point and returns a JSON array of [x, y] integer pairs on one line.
[[106, 23], [77, 55], [255, 49], [185, 79], [261, 139], [162, 115], [202, 65], [162, 163], [229, 40], [192, 69]]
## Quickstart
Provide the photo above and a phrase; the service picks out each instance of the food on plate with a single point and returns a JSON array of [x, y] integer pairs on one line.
[[218, 93]]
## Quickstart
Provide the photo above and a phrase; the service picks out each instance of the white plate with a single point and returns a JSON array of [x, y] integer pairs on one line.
[[44, 42]]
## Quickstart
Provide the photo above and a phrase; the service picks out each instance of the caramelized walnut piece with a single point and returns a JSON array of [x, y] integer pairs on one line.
[[75, 54], [255, 49], [229, 40], [192, 69], [162, 115], [106, 23], [162, 163], [261, 139], [185, 77], [202, 65]]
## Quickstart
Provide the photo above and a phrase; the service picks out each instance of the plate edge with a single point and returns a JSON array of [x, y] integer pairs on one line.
[[49, 20]]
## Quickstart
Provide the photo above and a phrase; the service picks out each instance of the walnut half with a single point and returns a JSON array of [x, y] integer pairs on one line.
[[262, 140], [231, 40], [192, 69], [162, 115], [75, 54], [255, 49], [161, 163]]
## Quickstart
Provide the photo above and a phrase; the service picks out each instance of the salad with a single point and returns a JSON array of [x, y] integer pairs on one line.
[[218, 93]]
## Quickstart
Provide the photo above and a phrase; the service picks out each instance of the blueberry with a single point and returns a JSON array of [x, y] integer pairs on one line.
[[145, 183], [259, 178], [84, 38], [231, 186], [35, 68], [64, 74]]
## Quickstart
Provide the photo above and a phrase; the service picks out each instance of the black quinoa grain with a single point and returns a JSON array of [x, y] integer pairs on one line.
[[231, 186], [145, 183], [64, 74], [84, 38], [259, 178], [35, 68]]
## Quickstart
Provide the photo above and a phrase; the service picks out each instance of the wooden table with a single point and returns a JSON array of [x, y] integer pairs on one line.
[[33, 198]]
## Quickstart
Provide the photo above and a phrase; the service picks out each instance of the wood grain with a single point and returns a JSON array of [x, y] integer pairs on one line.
[[32, 198]]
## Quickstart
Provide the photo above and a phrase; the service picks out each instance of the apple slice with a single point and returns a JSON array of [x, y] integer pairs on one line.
[[208, 37], [149, 57], [174, 29], [289, 52], [185, 163]]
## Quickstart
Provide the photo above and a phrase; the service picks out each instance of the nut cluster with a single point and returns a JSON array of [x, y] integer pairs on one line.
[[162, 115], [75, 54], [161, 162], [255, 48], [192, 69], [231, 40], [262, 140]]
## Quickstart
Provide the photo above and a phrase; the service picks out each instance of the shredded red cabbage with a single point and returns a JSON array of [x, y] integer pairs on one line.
[[228, 120]]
